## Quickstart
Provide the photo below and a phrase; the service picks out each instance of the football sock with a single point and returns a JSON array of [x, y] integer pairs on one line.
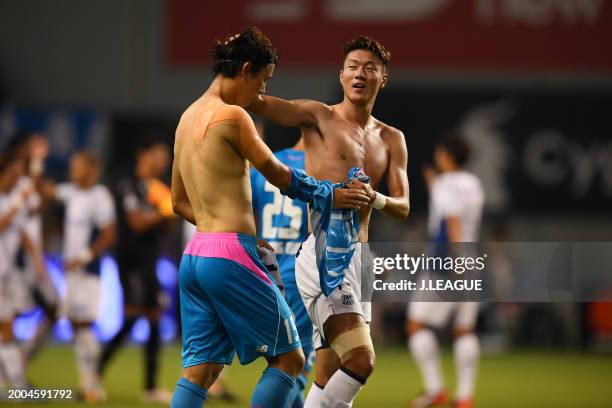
[[87, 350], [188, 395], [296, 398], [424, 348], [341, 389], [466, 352], [273, 389], [313, 399], [152, 354]]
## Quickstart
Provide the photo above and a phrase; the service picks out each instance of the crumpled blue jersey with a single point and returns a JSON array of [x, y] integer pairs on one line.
[[336, 232]]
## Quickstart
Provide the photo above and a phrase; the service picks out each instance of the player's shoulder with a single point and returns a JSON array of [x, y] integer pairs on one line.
[[387, 131], [101, 190], [232, 112], [391, 131], [459, 179], [473, 180]]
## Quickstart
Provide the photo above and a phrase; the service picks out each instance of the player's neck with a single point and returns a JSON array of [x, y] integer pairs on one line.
[[359, 114], [85, 185], [451, 168], [225, 89]]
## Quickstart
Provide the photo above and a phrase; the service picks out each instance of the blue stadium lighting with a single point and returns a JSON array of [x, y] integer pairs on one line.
[[111, 304]]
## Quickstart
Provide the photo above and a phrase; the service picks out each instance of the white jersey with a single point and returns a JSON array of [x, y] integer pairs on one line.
[[86, 211], [460, 194], [10, 237]]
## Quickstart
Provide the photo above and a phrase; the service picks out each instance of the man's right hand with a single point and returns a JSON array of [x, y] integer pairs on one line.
[[350, 198]]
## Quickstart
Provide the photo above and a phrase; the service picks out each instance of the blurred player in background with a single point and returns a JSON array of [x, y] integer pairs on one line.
[[283, 223], [89, 232], [33, 148], [13, 217], [455, 211], [230, 302], [144, 204], [337, 138]]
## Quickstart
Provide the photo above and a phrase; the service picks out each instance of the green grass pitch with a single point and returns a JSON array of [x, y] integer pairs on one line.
[[516, 379]]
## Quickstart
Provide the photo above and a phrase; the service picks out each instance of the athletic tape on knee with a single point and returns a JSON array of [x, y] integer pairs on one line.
[[356, 337]]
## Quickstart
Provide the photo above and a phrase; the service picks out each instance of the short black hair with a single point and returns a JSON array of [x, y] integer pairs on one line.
[[249, 46], [456, 147], [369, 44]]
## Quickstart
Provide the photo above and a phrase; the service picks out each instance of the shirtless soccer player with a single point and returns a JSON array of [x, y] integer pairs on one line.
[[229, 301], [337, 138]]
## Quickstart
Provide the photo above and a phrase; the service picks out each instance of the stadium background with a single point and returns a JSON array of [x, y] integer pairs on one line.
[[527, 82]]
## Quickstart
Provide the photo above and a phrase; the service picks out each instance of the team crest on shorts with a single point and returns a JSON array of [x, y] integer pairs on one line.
[[262, 349], [347, 299]]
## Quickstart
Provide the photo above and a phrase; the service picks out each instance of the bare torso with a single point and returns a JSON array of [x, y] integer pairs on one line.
[[215, 175], [337, 145]]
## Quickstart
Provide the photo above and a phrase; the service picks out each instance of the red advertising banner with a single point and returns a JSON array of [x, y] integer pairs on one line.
[[512, 35]]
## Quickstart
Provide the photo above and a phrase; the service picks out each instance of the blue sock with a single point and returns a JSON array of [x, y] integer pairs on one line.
[[273, 389], [188, 395], [296, 399]]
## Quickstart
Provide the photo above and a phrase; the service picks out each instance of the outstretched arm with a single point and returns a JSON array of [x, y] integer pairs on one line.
[[291, 182], [295, 113]]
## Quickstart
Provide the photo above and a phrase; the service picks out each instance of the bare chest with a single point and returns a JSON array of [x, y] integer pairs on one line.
[[336, 147]]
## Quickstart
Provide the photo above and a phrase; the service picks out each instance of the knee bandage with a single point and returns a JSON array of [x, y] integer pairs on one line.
[[356, 337]]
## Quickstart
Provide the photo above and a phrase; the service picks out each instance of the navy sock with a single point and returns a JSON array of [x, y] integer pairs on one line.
[[273, 389], [152, 354], [188, 395]]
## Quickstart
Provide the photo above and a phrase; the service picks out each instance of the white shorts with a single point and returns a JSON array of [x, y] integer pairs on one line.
[[8, 310], [82, 296], [344, 299], [437, 314]]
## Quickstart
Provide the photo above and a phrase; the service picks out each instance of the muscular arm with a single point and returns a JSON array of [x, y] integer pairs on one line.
[[260, 155], [180, 201], [398, 202], [295, 113]]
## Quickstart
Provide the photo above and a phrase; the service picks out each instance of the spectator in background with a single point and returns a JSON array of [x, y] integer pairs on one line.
[[89, 232], [33, 148], [455, 213], [143, 204], [13, 214]]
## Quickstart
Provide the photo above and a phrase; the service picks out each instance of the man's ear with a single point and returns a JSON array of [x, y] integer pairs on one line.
[[385, 78], [340, 74], [246, 68]]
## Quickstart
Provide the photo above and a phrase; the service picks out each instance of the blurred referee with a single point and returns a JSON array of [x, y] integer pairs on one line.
[[143, 204]]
